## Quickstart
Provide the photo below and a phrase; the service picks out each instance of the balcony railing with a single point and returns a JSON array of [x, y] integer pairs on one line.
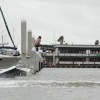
[[70, 62], [69, 54]]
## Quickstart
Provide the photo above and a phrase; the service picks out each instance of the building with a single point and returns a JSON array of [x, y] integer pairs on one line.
[[72, 56]]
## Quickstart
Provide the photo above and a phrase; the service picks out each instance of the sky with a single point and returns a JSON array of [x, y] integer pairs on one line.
[[77, 20]]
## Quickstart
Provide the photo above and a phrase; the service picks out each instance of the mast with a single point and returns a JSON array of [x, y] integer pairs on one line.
[[7, 27]]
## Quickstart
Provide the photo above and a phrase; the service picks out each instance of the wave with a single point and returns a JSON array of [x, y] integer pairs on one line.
[[46, 83]]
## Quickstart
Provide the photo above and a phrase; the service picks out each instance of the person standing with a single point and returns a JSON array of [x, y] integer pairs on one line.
[[37, 42]]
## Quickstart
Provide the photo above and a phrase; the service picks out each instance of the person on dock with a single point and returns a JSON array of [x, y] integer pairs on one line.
[[37, 42]]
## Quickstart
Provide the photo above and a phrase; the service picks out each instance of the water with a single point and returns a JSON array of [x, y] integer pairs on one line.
[[53, 84]]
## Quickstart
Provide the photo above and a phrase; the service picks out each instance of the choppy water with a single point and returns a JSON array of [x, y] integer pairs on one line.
[[53, 84]]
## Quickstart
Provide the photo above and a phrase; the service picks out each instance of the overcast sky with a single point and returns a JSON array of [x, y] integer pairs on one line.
[[77, 20]]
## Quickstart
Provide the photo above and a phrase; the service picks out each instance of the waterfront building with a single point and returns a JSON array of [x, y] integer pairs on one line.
[[75, 56]]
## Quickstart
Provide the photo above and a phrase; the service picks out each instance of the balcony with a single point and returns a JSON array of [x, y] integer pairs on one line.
[[70, 54], [71, 62]]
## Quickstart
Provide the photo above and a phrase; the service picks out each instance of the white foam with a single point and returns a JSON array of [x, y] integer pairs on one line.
[[46, 83], [7, 69]]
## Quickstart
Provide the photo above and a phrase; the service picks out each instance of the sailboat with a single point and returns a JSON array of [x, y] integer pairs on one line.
[[10, 63], [9, 55]]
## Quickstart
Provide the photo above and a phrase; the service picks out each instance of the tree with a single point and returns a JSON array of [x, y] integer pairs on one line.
[[97, 42], [61, 39]]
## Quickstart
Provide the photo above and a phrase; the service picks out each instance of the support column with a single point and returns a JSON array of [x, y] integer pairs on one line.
[[29, 42], [54, 62], [23, 40], [57, 57], [87, 58]]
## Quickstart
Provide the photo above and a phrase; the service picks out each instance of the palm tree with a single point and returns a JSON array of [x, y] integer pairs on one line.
[[97, 42], [61, 39]]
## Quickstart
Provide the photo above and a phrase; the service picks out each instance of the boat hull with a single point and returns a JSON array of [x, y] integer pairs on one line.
[[8, 61], [11, 72]]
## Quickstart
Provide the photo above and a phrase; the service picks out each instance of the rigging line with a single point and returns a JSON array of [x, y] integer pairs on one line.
[[17, 38], [3, 35], [2, 28], [6, 12], [7, 27], [11, 23], [5, 7]]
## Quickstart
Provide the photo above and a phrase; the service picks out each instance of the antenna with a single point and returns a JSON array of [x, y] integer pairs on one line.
[[54, 36]]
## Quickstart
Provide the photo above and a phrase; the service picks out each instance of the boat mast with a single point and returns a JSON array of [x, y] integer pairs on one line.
[[7, 27]]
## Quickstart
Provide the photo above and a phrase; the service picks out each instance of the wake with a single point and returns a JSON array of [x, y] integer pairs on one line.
[[47, 83]]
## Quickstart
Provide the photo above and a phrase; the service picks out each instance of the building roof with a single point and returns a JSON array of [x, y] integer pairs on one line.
[[76, 46]]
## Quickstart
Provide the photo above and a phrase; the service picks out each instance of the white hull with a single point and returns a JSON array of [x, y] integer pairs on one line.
[[8, 61]]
